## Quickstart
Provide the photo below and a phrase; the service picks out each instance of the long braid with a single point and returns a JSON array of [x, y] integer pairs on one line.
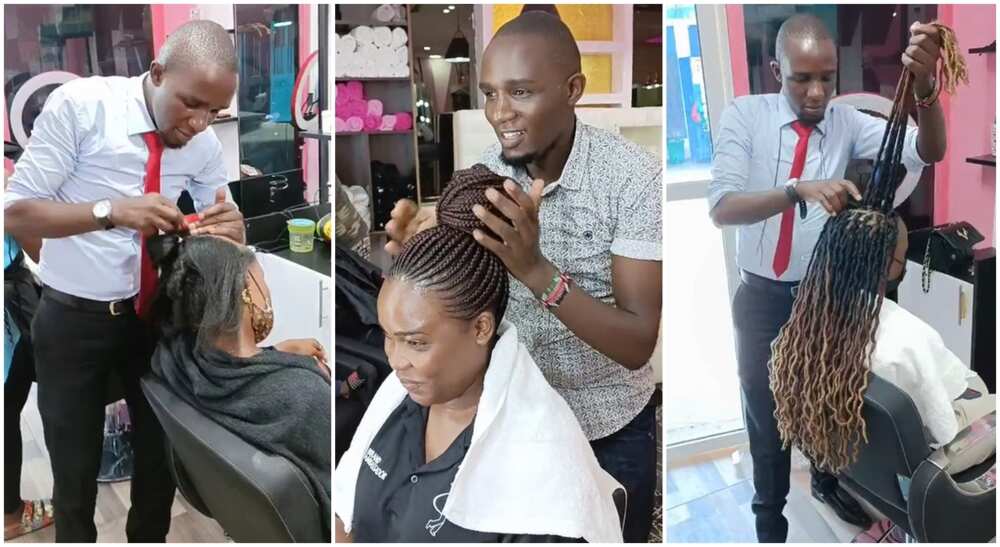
[[822, 355], [446, 259]]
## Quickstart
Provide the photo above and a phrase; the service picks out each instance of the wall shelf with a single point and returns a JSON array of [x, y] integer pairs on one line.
[[988, 160], [992, 48], [345, 79]]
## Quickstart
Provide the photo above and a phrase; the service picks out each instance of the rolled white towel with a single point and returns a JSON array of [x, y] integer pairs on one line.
[[383, 36], [385, 13], [400, 72], [387, 57], [364, 35], [368, 53], [399, 37], [348, 44], [402, 56]]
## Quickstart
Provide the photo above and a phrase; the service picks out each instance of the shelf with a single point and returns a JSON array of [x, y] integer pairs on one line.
[[374, 133], [357, 22], [345, 79], [992, 48], [988, 160], [314, 135]]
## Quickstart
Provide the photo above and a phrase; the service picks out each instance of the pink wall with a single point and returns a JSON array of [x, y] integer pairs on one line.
[[966, 191], [738, 49]]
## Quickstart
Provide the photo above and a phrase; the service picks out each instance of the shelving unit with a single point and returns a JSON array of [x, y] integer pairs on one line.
[[323, 61], [357, 151]]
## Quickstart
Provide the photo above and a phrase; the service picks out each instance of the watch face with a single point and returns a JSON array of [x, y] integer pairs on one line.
[[102, 209]]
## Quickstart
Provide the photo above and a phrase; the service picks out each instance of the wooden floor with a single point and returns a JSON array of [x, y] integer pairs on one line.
[[708, 500], [187, 524]]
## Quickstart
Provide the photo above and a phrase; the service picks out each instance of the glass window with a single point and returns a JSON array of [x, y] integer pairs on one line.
[[689, 139]]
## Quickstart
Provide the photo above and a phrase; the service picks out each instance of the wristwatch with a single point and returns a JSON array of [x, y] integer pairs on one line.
[[791, 192], [102, 213]]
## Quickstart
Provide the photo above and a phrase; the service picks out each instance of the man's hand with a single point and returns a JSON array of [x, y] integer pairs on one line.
[[148, 214], [306, 347], [518, 246], [921, 57], [222, 219], [407, 220], [831, 194]]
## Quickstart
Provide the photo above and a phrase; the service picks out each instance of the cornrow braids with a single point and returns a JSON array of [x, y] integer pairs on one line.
[[821, 357], [446, 259]]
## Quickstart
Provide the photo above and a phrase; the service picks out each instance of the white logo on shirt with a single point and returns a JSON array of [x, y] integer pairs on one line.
[[434, 525], [373, 460]]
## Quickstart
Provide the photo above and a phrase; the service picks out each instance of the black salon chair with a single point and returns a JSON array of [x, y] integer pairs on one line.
[[255, 497], [906, 480]]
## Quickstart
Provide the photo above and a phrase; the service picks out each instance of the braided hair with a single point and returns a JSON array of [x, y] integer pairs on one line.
[[821, 357], [468, 278], [201, 282]]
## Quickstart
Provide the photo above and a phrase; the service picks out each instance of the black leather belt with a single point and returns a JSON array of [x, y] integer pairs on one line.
[[114, 307], [781, 288]]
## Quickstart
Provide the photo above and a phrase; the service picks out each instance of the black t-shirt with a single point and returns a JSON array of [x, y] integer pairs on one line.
[[399, 497]]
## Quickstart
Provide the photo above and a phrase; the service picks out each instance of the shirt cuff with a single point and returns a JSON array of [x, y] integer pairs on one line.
[[639, 250]]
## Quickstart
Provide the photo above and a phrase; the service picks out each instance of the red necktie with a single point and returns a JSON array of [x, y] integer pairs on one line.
[[147, 277], [784, 251]]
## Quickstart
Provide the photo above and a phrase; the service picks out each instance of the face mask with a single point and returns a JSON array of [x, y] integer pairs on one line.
[[261, 319], [893, 286]]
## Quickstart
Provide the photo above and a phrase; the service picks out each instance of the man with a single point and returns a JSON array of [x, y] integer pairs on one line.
[[772, 152], [94, 179], [586, 204]]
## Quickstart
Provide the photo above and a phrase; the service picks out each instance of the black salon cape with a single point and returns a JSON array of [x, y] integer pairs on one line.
[[276, 401]]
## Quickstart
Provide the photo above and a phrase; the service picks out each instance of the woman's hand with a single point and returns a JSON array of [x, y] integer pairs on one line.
[[306, 347]]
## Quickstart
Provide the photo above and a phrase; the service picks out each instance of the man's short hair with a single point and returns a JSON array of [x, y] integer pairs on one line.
[[797, 27], [561, 46], [198, 44]]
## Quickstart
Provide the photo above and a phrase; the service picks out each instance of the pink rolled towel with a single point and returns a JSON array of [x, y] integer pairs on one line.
[[355, 90], [357, 107], [388, 122], [340, 125], [355, 124], [342, 97], [372, 122], [404, 121], [375, 107]]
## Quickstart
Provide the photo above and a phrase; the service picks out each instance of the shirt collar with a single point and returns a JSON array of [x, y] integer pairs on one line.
[[138, 120], [786, 116], [572, 171]]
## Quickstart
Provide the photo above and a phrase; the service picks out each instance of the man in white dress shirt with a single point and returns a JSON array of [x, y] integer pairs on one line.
[[107, 159], [773, 154]]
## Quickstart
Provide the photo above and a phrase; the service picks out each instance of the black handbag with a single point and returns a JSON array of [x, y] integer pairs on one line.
[[946, 248]]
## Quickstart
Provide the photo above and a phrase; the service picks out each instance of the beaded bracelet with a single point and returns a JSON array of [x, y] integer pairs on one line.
[[557, 291]]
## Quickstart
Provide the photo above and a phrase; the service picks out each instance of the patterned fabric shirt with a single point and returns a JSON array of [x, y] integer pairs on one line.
[[607, 202]]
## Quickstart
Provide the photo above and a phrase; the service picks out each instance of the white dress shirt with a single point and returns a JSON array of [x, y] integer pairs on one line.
[[529, 468], [86, 146], [754, 149], [912, 356]]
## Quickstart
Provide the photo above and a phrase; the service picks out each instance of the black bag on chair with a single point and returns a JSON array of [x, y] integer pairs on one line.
[[946, 248]]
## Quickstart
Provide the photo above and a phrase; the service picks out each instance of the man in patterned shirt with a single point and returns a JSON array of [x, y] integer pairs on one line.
[[583, 203]]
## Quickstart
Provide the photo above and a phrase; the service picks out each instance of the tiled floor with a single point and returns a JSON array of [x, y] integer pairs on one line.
[[187, 524], [708, 500]]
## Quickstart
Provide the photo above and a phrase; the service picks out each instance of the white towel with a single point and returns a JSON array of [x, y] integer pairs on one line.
[[363, 34], [399, 37], [402, 56], [529, 468], [387, 56], [383, 36], [348, 44], [385, 13], [367, 52]]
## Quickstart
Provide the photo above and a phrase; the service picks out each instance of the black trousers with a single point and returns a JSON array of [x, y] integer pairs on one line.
[[75, 354], [15, 394], [760, 309]]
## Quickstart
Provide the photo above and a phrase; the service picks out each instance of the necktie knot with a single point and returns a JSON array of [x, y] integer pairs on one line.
[[801, 129], [153, 141]]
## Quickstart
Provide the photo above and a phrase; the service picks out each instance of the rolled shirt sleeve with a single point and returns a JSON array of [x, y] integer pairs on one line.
[[868, 138], [638, 234], [51, 153], [733, 148]]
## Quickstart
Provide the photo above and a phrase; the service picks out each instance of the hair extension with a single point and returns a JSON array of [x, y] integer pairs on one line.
[[201, 280], [467, 277], [821, 357]]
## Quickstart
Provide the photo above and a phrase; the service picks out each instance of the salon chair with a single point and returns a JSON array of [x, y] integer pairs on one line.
[[255, 497], [909, 482]]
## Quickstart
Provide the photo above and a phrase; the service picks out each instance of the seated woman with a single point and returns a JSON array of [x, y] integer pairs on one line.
[[841, 327], [465, 441], [213, 309]]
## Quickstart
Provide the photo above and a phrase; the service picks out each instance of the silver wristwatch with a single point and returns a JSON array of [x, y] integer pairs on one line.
[[102, 213], [791, 192]]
